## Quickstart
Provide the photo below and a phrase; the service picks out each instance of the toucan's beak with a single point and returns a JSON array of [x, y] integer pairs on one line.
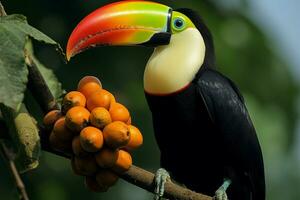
[[122, 23]]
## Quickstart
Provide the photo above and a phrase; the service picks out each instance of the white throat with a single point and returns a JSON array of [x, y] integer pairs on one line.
[[172, 67]]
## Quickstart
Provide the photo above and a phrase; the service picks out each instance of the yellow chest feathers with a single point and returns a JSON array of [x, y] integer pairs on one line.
[[172, 67]]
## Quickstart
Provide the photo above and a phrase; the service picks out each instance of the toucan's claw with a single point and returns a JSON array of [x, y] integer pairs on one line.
[[161, 177], [220, 194]]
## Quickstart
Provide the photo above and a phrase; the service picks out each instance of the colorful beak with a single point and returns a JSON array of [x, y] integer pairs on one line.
[[122, 23]]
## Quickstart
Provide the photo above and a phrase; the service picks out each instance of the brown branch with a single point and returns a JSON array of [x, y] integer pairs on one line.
[[18, 181], [135, 175]]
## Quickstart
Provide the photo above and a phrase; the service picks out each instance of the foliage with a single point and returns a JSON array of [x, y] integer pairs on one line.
[[15, 46], [14, 31]]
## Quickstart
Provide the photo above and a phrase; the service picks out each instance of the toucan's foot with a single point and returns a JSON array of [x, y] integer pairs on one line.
[[221, 192], [161, 177]]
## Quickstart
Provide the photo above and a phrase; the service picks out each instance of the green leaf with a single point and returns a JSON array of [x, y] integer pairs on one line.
[[14, 32], [20, 23], [13, 71]]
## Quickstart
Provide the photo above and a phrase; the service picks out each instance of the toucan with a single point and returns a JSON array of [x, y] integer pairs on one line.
[[206, 138]]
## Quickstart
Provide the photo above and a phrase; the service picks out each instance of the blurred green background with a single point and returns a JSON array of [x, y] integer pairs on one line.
[[255, 43]]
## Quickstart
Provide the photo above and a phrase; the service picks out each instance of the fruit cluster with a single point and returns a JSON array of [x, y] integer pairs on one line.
[[97, 131]]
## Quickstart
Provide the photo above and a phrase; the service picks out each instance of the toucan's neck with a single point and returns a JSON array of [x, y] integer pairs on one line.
[[174, 66]]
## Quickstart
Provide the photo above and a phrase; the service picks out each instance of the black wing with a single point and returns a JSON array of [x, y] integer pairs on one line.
[[243, 155]]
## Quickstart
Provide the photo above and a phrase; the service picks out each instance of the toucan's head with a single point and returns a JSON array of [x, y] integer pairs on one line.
[[183, 44]]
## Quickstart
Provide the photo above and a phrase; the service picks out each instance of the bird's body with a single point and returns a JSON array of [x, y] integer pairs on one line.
[[196, 150]]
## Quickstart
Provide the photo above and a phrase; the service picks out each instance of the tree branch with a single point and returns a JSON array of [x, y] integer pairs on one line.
[[18, 181], [139, 177], [134, 175]]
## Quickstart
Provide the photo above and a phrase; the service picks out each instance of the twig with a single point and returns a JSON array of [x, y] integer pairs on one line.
[[37, 85], [19, 183]]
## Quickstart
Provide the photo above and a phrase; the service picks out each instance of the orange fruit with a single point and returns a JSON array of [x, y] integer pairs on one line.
[[88, 79], [91, 183], [61, 131], [72, 99], [106, 178], [118, 112], [123, 163], [107, 158], [51, 117], [85, 165], [77, 118], [77, 148], [89, 89], [112, 99], [59, 145], [91, 139], [136, 138], [101, 98], [116, 134], [100, 117]]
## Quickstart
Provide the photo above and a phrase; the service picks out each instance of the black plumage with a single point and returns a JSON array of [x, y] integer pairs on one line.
[[205, 134]]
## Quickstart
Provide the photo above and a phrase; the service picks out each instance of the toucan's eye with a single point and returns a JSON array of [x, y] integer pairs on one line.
[[179, 24]]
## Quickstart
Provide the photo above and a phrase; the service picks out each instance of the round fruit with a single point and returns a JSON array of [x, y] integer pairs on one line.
[[136, 138], [112, 99], [91, 183], [106, 178], [100, 117], [89, 89], [116, 134], [77, 148], [61, 131], [77, 118], [100, 98], [72, 99], [91, 139], [107, 158], [51, 117], [58, 144], [86, 165], [88, 79], [123, 163], [118, 112]]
